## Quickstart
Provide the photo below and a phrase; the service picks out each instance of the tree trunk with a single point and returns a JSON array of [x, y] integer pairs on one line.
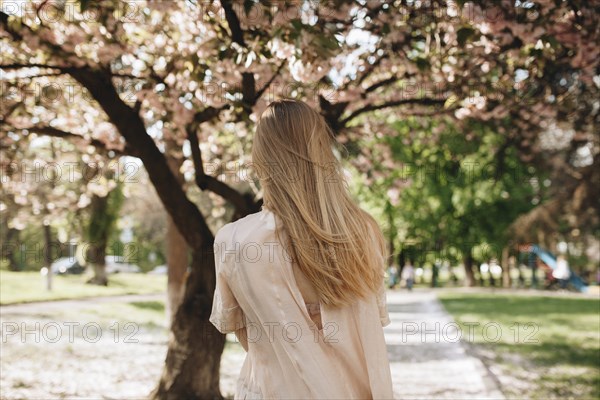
[[177, 248], [401, 262], [9, 245], [96, 258], [505, 264], [48, 255], [98, 239], [192, 366], [191, 369], [470, 275], [391, 235], [177, 263], [435, 268], [99, 269]]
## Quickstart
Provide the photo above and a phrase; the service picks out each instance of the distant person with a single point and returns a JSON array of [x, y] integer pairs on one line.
[[562, 272], [393, 274], [408, 274]]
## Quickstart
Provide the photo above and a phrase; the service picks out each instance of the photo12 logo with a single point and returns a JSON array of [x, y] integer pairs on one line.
[[451, 332], [69, 331]]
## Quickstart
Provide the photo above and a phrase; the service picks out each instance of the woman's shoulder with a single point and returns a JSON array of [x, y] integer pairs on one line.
[[246, 227]]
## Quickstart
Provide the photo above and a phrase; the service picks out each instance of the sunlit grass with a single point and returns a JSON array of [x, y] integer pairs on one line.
[[19, 287], [147, 314], [551, 343]]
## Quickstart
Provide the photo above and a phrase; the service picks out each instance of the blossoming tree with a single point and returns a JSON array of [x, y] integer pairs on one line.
[[188, 80]]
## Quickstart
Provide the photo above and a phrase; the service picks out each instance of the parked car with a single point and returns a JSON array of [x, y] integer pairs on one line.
[[66, 265], [116, 264], [159, 270]]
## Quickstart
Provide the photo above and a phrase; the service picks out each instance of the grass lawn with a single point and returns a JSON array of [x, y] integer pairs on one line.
[[20, 287], [144, 314], [538, 346]]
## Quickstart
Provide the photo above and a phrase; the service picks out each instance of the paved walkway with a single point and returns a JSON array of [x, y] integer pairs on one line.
[[427, 360], [37, 306]]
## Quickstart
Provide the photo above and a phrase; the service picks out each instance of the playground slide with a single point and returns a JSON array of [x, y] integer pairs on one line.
[[550, 260]]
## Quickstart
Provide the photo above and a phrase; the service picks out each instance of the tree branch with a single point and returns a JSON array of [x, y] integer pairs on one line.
[[185, 214], [393, 103], [237, 35], [206, 115], [269, 82], [242, 205], [100, 145], [4, 23], [381, 83], [207, 182], [332, 113], [35, 65]]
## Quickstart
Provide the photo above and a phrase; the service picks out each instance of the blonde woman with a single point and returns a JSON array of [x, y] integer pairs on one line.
[[301, 282]]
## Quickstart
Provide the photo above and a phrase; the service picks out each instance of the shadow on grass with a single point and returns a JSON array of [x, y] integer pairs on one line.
[[551, 353], [496, 305], [149, 305], [565, 358]]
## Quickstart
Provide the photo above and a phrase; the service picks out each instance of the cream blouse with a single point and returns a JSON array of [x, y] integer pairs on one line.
[[290, 355]]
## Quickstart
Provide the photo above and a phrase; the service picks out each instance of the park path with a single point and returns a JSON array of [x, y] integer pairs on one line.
[[426, 362], [48, 305], [426, 359]]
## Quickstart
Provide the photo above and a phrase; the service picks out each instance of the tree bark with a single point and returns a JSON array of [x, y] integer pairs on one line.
[[195, 346], [177, 248], [100, 277], [9, 245], [192, 364], [505, 264], [468, 262], [48, 255], [98, 239], [128, 122], [401, 262], [177, 263]]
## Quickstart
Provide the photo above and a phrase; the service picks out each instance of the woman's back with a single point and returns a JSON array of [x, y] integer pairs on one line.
[[297, 347], [302, 281]]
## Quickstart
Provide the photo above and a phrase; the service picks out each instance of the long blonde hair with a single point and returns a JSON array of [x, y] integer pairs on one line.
[[337, 245]]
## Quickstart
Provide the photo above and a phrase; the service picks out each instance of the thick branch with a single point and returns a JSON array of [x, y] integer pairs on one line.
[[269, 82], [237, 35], [184, 213], [4, 23], [332, 113], [394, 103], [207, 182], [381, 83], [21, 66], [206, 115], [18, 35], [54, 132]]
